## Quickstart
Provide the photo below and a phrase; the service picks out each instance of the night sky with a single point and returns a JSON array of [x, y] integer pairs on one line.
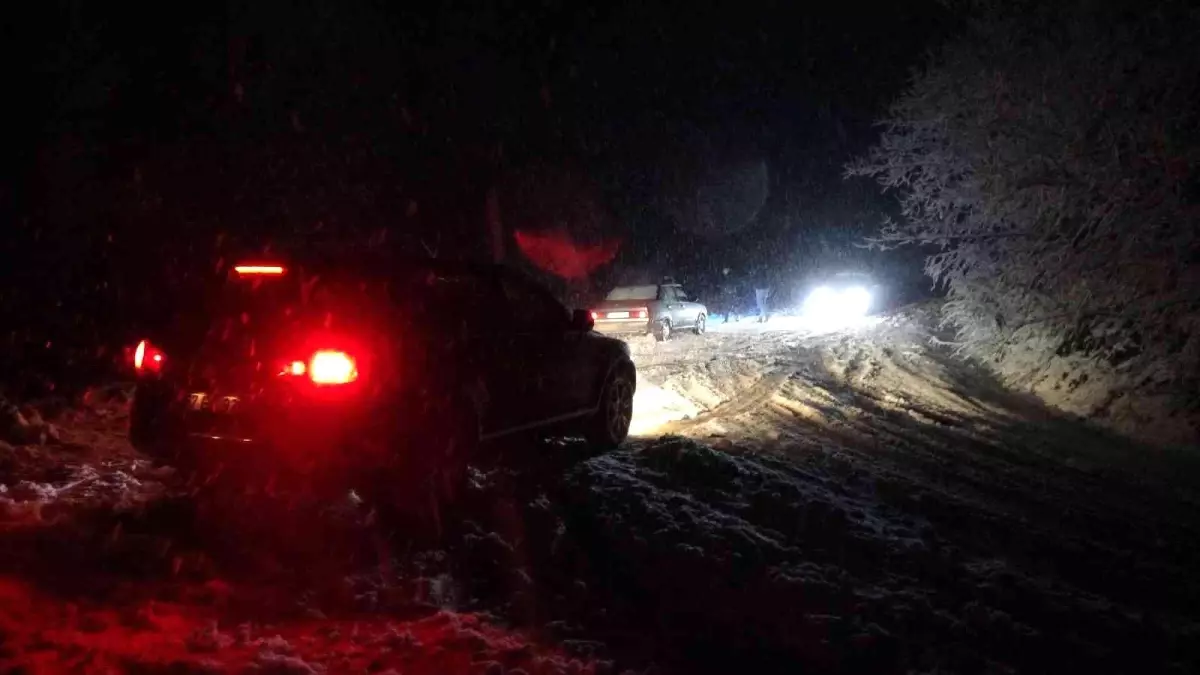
[[694, 135]]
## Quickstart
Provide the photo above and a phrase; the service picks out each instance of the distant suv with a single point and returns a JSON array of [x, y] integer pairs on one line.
[[659, 309], [387, 373]]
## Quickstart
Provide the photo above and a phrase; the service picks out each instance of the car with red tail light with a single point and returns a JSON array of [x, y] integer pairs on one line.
[[389, 376], [657, 309]]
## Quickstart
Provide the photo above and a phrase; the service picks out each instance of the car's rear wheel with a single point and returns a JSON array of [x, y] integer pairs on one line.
[[662, 330], [608, 427], [700, 321]]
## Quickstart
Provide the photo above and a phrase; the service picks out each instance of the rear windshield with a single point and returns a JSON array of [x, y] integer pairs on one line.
[[249, 315], [436, 295], [294, 293], [633, 293]]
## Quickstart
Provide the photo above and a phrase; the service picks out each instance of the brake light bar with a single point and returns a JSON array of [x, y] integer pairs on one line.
[[259, 270]]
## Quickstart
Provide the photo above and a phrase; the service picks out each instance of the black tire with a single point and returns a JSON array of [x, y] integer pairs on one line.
[[608, 427], [662, 330], [700, 322]]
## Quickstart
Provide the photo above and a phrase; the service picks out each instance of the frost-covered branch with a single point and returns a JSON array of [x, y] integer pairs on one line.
[[1054, 162]]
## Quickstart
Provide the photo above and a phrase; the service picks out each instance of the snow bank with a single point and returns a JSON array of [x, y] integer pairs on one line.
[[40, 485], [1151, 402], [1155, 404], [79, 461], [21, 425]]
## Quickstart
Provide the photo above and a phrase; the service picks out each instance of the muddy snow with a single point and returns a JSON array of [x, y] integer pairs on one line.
[[793, 500]]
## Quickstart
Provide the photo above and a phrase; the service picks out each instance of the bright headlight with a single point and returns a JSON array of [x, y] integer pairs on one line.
[[832, 308], [856, 301], [821, 300]]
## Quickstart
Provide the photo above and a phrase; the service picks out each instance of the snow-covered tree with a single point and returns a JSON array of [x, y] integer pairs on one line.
[[1053, 156]]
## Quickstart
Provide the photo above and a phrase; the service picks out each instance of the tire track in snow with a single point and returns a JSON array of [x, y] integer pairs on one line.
[[754, 397]]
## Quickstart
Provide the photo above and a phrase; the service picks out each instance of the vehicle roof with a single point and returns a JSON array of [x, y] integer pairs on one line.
[[650, 283]]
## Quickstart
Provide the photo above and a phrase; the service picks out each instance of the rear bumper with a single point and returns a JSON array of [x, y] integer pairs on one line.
[[622, 326], [164, 426]]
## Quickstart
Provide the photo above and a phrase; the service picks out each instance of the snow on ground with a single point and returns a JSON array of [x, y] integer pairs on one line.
[[789, 321], [681, 378], [1014, 536], [845, 500], [105, 568], [200, 635]]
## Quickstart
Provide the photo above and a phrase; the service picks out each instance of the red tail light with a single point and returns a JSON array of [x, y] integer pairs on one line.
[[595, 315], [326, 366], [641, 313], [332, 367], [147, 358]]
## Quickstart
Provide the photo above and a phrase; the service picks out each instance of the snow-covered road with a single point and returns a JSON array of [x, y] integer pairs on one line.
[[795, 500], [978, 529]]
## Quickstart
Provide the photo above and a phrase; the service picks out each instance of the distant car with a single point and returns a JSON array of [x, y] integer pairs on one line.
[[840, 297], [659, 309], [392, 372]]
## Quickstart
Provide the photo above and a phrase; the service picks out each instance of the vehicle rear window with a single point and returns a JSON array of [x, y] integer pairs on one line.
[[279, 302], [439, 298], [633, 293], [446, 296], [255, 295]]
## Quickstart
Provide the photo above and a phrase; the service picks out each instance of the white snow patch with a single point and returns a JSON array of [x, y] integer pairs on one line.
[[654, 406], [794, 323]]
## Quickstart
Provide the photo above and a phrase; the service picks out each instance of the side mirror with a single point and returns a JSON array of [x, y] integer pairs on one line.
[[581, 319]]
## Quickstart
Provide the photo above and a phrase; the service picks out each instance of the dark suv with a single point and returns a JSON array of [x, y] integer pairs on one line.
[[394, 371]]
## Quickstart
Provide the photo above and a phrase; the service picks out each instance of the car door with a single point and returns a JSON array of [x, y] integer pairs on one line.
[[670, 303], [449, 343], [677, 306], [689, 309], [551, 353]]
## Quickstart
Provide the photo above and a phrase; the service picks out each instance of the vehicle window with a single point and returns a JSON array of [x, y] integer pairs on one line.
[[447, 299], [280, 302], [633, 293], [531, 306], [668, 294], [680, 295]]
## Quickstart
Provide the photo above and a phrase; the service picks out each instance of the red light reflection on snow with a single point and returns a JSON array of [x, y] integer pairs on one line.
[[46, 634], [555, 252]]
